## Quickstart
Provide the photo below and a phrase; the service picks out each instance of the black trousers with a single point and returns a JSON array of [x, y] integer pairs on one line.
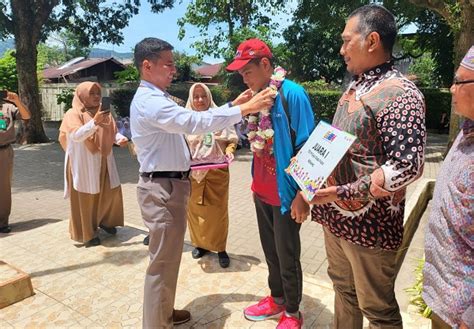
[[280, 238]]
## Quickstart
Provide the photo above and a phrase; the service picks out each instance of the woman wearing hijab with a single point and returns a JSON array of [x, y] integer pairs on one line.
[[92, 184], [208, 215]]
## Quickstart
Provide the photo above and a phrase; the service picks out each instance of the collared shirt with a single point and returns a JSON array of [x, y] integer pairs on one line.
[[158, 124], [386, 112], [10, 114], [212, 147], [448, 275]]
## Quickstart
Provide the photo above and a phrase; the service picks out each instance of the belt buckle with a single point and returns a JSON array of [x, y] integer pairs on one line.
[[184, 175]]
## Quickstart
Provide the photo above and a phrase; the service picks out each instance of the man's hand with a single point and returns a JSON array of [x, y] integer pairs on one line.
[[262, 101], [299, 208], [325, 195], [243, 97]]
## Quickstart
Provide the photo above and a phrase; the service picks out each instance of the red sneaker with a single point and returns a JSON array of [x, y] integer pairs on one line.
[[290, 322], [263, 310]]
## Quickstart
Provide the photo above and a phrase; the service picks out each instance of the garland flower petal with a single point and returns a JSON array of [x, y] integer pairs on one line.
[[260, 127]]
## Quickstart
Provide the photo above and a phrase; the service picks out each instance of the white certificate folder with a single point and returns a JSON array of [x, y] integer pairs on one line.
[[316, 160]]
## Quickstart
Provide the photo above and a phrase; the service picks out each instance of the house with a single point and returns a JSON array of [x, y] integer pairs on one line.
[[84, 69], [208, 73]]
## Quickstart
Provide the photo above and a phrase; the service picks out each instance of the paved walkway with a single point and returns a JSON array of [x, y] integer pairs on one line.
[[103, 286], [40, 245]]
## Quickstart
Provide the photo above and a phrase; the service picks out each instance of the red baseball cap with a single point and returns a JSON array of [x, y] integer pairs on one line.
[[248, 50]]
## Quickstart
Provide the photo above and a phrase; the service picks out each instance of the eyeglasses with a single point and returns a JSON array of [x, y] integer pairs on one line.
[[457, 82]]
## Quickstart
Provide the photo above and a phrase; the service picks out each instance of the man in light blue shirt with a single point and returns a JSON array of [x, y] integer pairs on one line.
[[157, 125]]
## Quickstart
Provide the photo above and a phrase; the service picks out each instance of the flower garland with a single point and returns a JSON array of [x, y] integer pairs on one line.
[[260, 133]]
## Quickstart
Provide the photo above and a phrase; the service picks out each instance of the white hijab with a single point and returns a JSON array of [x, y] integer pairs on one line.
[[190, 102]]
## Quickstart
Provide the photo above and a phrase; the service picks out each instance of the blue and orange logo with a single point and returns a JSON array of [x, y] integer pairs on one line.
[[329, 136]]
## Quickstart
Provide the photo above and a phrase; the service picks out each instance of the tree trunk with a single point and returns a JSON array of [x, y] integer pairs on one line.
[[29, 91], [27, 29], [230, 22], [464, 40]]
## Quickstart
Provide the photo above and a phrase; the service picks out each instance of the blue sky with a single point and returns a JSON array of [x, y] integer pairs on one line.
[[148, 24], [164, 26]]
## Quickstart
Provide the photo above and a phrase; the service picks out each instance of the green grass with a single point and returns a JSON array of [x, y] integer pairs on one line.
[[416, 290]]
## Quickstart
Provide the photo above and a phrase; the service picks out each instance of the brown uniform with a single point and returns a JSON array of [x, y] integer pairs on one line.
[[7, 137], [208, 215]]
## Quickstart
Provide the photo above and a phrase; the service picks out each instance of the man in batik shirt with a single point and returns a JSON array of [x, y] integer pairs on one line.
[[362, 206], [448, 285]]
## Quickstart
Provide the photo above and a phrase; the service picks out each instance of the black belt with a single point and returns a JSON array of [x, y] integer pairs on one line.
[[166, 174], [4, 146]]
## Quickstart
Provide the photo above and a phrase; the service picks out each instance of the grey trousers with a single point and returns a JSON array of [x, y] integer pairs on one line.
[[364, 281], [163, 203], [6, 173]]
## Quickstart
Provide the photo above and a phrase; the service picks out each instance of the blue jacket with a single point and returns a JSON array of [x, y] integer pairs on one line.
[[302, 123]]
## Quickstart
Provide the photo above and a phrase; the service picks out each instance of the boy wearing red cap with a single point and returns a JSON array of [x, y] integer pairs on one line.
[[275, 137]]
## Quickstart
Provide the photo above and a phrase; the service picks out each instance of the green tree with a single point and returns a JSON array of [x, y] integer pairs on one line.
[[224, 24], [315, 35], [432, 37], [316, 41], [281, 55], [424, 67], [184, 64], [130, 74], [220, 22], [69, 43], [60, 47], [31, 21], [49, 56], [8, 76], [446, 30], [459, 16], [65, 97]]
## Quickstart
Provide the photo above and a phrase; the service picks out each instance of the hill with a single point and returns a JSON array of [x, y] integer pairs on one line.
[[6, 45], [104, 53], [95, 52]]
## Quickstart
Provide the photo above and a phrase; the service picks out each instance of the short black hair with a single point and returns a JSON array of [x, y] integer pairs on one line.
[[149, 48], [376, 18]]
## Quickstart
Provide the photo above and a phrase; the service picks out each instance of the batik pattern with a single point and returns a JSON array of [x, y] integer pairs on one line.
[[387, 114]]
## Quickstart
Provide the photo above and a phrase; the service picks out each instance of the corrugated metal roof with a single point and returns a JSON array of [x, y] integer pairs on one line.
[[60, 71], [209, 70]]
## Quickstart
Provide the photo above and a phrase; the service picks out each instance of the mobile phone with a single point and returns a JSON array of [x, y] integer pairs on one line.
[[3, 93], [105, 106]]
